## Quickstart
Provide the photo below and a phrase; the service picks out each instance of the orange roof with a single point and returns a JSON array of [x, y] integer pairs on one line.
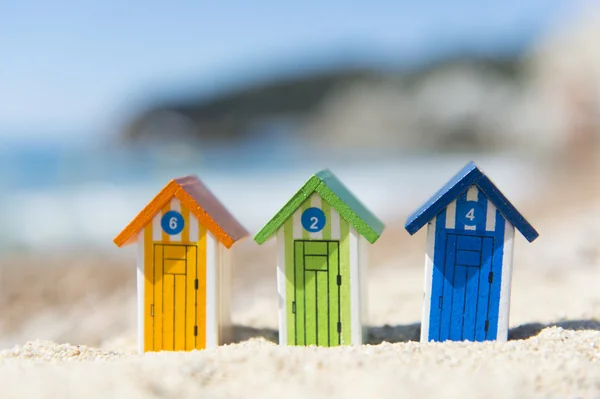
[[201, 203]]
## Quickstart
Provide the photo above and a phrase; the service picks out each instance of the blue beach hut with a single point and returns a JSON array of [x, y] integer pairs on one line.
[[470, 232]]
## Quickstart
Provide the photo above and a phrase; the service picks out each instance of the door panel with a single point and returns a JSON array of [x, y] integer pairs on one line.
[[461, 312], [299, 283], [334, 296], [484, 297], [158, 298], [323, 313], [315, 263], [448, 282], [176, 297], [317, 296], [191, 296], [310, 310], [180, 329], [471, 299], [168, 316]]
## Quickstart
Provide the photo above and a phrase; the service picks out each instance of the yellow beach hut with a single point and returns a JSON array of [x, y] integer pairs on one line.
[[183, 239]]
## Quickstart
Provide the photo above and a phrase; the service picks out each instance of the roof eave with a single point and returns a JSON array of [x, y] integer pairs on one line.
[[507, 209]]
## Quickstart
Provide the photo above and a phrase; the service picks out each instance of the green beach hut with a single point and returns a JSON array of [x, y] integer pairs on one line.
[[322, 235]]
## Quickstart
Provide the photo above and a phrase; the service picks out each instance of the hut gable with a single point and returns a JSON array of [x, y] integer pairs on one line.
[[201, 203], [469, 176], [333, 191]]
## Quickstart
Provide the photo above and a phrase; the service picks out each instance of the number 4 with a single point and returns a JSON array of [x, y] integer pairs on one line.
[[471, 214]]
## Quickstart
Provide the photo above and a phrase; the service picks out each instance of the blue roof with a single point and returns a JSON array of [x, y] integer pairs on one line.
[[467, 177]]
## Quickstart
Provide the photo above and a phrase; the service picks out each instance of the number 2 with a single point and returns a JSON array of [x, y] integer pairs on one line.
[[471, 214], [315, 223], [173, 223]]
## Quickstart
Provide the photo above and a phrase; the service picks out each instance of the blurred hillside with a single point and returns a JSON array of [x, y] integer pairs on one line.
[[393, 107], [535, 101]]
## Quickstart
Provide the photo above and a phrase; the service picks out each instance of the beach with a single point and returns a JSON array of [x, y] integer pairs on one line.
[[69, 325]]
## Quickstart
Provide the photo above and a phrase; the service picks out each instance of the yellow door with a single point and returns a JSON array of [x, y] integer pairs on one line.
[[176, 299]]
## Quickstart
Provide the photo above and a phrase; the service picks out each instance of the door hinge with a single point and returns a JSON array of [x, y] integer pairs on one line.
[[339, 326], [294, 307], [152, 310], [196, 284], [487, 325], [441, 302], [195, 331], [491, 277], [339, 279]]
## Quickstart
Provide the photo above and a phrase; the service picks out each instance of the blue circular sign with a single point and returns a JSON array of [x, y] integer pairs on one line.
[[313, 220], [469, 213], [172, 222]]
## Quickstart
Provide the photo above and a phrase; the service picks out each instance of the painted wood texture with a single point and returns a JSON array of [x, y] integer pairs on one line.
[[175, 284], [310, 281], [330, 188], [469, 176], [317, 293], [466, 270], [192, 193]]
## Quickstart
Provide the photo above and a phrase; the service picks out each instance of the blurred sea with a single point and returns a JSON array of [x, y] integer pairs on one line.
[[54, 198]]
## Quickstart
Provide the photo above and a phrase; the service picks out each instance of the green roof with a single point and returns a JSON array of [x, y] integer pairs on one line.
[[338, 196]]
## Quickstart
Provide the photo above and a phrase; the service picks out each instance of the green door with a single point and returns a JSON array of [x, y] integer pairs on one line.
[[317, 283]]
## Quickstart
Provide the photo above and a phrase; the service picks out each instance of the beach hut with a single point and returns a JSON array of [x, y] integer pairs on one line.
[[322, 235], [183, 238], [470, 231]]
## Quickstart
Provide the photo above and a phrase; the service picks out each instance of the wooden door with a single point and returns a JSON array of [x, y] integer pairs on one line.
[[465, 308], [174, 314], [317, 281]]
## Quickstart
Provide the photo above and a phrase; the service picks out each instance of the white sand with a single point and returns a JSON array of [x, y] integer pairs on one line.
[[556, 363]]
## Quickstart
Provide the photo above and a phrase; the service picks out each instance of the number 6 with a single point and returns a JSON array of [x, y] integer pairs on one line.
[[173, 223]]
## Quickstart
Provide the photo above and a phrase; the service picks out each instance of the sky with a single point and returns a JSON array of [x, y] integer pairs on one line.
[[79, 68]]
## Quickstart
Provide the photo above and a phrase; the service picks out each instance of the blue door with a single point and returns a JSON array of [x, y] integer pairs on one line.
[[465, 293]]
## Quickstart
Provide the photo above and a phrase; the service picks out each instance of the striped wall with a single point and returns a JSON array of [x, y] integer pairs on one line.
[[156, 333], [457, 221], [336, 228]]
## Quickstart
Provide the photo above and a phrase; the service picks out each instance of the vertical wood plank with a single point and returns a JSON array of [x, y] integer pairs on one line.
[[470, 312], [149, 282], [299, 291], [448, 279], [310, 313], [326, 208], [168, 312], [180, 329], [290, 293], [191, 266], [164, 236], [158, 297], [334, 292], [305, 206], [345, 301], [322, 316], [437, 299], [201, 292], [185, 233]]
